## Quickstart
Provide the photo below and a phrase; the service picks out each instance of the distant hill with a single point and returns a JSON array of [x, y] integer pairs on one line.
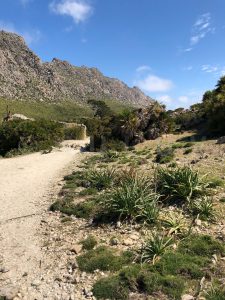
[[24, 76]]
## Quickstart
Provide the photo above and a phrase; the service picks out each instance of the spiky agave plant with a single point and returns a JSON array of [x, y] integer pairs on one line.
[[155, 247], [179, 185]]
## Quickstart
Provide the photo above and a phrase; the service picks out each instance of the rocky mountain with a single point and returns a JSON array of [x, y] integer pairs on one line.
[[24, 76]]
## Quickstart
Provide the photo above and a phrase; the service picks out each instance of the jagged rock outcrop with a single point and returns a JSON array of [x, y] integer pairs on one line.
[[24, 76]]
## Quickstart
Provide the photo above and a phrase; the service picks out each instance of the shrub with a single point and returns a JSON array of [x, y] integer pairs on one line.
[[103, 259], [201, 245], [110, 288], [181, 264], [74, 133], [165, 155], [89, 243], [170, 285], [31, 135], [179, 185]]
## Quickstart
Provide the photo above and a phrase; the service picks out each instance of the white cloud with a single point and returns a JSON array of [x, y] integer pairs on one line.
[[188, 49], [143, 69], [30, 36], [79, 10], [201, 28], [209, 68], [153, 83]]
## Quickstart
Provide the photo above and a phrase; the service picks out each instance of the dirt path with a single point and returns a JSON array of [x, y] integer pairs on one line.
[[26, 186]]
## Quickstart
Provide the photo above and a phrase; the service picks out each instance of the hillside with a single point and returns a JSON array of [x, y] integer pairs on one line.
[[24, 76]]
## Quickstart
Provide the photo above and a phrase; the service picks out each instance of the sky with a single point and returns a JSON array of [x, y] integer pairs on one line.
[[173, 50]]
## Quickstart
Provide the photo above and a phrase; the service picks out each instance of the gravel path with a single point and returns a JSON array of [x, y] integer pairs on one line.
[[27, 184]]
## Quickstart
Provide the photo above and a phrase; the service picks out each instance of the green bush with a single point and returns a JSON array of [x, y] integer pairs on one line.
[[89, 243], [74, 133], [29, 135], [201, 245], [110, 288], [179, 185], [216, 293], [181, 264], [103, 259], [165, 155]]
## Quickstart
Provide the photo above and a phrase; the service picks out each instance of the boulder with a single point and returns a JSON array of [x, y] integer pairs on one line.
[[221, 140]]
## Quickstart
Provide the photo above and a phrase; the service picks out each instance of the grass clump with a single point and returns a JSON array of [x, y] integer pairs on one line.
[[165, 155], [155, 247], [179, 185], [203, 208], [133, 199], [101, 179], [216, 293], [89, 243], [103, 259]]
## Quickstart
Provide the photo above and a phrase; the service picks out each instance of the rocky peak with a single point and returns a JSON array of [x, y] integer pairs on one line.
[[24, 76]]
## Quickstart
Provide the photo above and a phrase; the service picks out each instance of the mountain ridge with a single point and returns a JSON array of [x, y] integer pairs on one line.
[[24, 76]]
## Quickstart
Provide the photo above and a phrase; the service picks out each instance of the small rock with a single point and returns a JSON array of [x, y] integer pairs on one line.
[[198, 222], [76, 249], [114, 242], [128, 242], [187, 297], [118, 224], [4, 270]]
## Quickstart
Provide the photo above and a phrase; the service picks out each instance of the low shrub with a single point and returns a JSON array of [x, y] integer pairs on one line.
[[84, 210], [180, 264], [89, 243], [74, 133], [179, 185], [103, 259], [201, 245], [170, 285], [110, 288], [165, 155], [115, 145]]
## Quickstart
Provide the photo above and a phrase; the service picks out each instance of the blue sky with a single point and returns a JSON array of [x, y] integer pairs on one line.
[[174, 50]]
